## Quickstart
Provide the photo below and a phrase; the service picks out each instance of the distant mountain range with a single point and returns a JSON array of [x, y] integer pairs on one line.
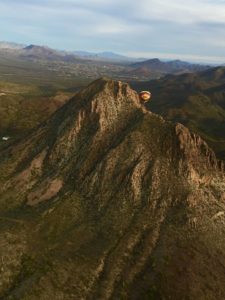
[[43, 52], [174, 66], [150, 65], [111, 56], [93, 65]]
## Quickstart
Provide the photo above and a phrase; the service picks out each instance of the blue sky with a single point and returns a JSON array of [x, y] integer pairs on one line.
[[193, 30]]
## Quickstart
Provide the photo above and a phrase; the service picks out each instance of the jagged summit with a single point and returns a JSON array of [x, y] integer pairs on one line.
[[115, 201]]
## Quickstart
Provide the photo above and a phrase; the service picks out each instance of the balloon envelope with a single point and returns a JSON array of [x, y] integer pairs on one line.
[[145, 96]]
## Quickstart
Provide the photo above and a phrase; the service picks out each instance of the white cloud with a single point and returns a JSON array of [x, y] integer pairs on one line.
[[193, 29], [181, 11]]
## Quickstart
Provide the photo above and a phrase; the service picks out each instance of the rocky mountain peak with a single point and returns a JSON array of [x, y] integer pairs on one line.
[[111, 100], [101, 125], [111, 198]]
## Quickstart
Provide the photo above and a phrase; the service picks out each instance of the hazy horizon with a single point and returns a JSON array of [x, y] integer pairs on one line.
[[192, 31]]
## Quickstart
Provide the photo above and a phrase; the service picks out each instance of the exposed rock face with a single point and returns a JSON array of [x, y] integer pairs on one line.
[[109, 201]]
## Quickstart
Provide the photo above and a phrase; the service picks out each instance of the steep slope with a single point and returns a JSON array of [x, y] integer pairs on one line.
[[107, 200], [196, 100]]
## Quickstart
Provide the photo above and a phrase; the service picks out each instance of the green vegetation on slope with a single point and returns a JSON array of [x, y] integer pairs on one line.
[[134, 217], [195, 100], [30, 92]]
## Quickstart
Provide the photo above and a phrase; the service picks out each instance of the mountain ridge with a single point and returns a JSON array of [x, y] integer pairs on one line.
[[195, 100], [106, 200], [173, 66]]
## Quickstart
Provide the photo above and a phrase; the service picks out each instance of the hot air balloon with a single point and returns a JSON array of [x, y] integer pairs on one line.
[[145, 96]]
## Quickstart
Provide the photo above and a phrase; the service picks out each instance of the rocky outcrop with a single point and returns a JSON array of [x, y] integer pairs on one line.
[[116, 202]]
